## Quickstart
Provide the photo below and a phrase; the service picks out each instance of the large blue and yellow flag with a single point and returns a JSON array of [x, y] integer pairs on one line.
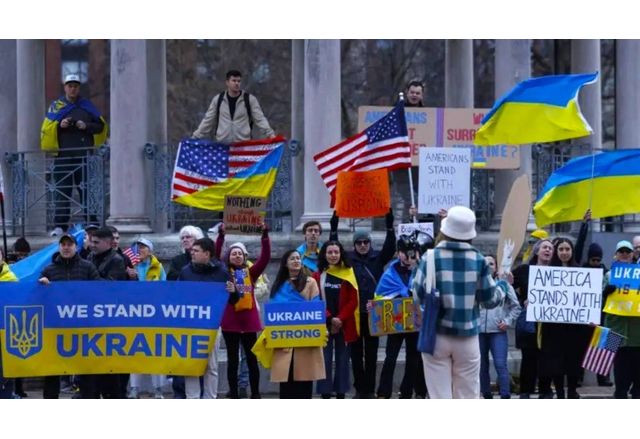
[[537, 110], [206, 171], [607, 183], [99, 327]]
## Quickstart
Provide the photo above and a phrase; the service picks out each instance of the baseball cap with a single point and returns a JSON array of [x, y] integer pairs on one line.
[[67, 237], [624, 244], [145, 241], [72, 78]]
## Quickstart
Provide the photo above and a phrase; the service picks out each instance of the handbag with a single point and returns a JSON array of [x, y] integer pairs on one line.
[[431, 308], [522, 326]]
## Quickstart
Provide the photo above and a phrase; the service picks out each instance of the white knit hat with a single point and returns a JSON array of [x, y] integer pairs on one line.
[[460, 223], [240, 246]]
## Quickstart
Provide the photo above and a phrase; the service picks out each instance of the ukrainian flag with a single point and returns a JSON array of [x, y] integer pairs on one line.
[[537, 110], [256, 180], [608, 183]]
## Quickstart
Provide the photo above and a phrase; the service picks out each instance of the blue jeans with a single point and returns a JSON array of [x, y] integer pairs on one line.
[[243, 371], [339, 382], [498, 344]]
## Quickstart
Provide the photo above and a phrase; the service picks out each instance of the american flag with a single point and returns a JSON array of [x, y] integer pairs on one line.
[[132, 254], [385, 144], [602, 350], [202, 163]]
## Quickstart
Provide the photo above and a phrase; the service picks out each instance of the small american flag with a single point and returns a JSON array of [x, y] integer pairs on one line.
[[202, 163], [602, 350], [132, 254], [385, 144]]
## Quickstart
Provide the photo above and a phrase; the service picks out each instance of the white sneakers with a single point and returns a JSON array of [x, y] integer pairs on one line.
[[56, 232]]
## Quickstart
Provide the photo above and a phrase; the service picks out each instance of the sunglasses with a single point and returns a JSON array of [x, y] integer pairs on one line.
[[624, 250], [362, 242], [596, 260]]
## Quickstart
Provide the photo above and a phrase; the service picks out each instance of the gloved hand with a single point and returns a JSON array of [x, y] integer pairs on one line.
[[333, 222], [388, 219], [265, 230]]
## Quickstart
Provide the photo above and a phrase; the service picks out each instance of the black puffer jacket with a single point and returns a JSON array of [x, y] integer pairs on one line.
[[177, 264], [74, 268], [110, 265]]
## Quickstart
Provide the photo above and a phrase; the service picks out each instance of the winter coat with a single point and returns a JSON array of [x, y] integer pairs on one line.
[[74, 268]]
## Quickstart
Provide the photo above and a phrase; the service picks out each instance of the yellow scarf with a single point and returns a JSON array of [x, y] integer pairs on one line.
[[6, 275], [155, 269], [347, 273]]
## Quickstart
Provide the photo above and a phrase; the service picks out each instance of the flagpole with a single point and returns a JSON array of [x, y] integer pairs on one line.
[[413, 201], [4, 225]]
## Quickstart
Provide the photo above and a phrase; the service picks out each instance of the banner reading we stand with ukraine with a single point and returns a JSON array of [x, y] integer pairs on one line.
[[109, 327]]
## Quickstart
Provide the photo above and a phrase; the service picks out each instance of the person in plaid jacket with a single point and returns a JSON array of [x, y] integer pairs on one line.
[[465, 282]]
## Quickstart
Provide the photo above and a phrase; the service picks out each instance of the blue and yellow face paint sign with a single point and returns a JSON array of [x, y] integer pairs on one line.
[[394, 316], [109, 327], [625, 300], [295, 324]]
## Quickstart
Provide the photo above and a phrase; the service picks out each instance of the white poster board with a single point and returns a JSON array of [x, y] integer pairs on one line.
[[564, 295], [444, 178], [408, 228]]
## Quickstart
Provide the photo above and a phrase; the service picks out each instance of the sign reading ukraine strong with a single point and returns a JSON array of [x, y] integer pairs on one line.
[[295, 324], [109, 327]]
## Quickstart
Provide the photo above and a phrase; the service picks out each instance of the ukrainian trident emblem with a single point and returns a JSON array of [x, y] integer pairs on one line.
[[24, 335]]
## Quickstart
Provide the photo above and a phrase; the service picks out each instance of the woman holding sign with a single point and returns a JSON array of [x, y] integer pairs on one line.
[[339, 289], [241, 319], [295, 368]]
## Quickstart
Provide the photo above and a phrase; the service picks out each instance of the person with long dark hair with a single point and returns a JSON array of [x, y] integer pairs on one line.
[[339, 289], [295, 368]]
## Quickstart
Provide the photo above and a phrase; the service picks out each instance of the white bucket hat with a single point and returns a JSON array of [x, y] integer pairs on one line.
[[460, 223]]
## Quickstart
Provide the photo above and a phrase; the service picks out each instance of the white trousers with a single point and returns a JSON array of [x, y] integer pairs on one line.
[[453, 371], [210, 380], [141, 382]]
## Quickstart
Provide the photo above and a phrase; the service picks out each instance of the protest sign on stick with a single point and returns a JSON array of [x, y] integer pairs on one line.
[[363, 194], [244, 215]]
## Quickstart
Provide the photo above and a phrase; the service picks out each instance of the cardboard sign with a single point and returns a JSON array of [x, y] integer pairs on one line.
[[244, 215], [408, 228], [453, 127], [295, 324], [444, 179], [513, 227], [394, 316], [564, 294], [625, 300], [363, 194]]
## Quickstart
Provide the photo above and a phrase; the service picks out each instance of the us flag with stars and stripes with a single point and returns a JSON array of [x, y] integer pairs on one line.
[[385, 144], [202, 163], [602, 350], [132, 254]]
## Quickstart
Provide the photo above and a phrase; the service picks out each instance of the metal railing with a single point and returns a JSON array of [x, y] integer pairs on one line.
[[50, 190]]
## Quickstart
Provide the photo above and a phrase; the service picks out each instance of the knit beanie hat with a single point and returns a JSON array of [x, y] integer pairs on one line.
[[595, 251], [361, 234], [240, 246]]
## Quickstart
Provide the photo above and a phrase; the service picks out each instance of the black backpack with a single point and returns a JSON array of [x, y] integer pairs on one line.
[[246, 104]]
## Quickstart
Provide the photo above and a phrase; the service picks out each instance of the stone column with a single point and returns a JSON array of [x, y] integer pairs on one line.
[[585, 58], [322, 123], [156, 118], [297, 128], [627, 93], [8, 121], [129, 124], [458, 73], [31, 106], [512, 65]]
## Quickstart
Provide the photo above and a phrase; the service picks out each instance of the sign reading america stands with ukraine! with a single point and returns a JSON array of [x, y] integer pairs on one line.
[[295, 324], [109, 327]]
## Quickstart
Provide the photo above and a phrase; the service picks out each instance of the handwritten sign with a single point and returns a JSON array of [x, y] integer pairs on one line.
[[295, 324], [444, 179], [408, 228], [447, 127], [564, 295], [394, 316], [363, 194], [625, 300], [244, 215]]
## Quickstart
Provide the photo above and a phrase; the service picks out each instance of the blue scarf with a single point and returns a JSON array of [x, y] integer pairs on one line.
[[391, 284], [286, 293]]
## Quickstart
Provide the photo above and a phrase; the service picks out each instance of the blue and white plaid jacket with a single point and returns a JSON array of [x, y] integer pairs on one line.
[[464, 281]]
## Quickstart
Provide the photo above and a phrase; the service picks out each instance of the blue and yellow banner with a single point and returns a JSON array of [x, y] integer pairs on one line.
[[537, 110], [295, 324], [625, 300], [109, 327], [607, 183]]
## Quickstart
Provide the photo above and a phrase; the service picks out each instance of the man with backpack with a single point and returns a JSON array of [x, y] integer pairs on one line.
[[232, 114]]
